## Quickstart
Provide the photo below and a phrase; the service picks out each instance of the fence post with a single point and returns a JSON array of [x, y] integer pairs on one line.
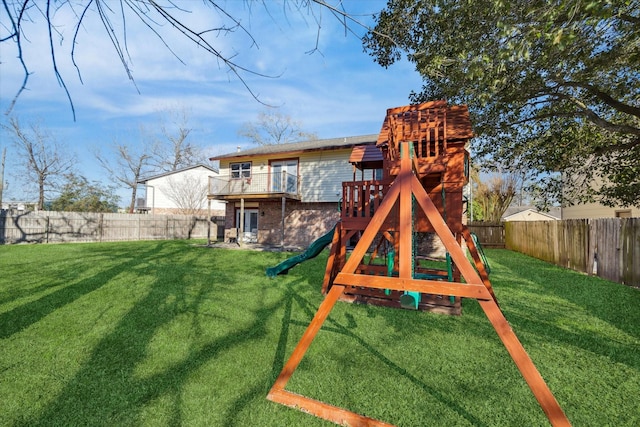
[[46, 229], [100, 226], [166, 227]]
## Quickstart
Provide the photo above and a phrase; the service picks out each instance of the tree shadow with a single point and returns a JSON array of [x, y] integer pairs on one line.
[[614, 304], [347, 330], [108, 390], [25, 315]]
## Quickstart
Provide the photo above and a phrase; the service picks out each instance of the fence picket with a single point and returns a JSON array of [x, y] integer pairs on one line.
[[56, 227]]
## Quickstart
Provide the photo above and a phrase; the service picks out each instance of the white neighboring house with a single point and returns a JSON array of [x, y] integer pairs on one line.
[[529, 214], [183, 192]]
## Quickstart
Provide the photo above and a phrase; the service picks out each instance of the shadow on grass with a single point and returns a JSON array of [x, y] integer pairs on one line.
[[333, 326], [25, 315], [279, 359], [107, 390], [614, 304]]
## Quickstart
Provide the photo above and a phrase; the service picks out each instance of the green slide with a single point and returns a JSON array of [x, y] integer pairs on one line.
[[312, 251]]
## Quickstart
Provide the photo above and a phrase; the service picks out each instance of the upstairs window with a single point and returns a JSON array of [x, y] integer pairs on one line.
[[240, 170]]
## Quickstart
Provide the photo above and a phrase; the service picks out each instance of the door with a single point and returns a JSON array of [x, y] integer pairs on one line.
[[284, 176], [250, 224]]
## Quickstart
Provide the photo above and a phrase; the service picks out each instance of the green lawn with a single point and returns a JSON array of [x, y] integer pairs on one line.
[[169, 333]]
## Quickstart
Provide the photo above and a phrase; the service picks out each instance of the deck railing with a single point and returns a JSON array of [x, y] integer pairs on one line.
[[256, 183], [360, 199]]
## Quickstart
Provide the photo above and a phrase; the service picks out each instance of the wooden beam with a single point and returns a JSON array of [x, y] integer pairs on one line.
[[436, 287], [370, 232], [323, 410]]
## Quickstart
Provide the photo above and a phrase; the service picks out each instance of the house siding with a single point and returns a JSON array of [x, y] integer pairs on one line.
[[322, 174], [159, 189], [595, 210], [528, 215]]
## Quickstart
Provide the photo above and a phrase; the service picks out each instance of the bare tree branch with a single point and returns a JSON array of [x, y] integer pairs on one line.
[[604, 97]]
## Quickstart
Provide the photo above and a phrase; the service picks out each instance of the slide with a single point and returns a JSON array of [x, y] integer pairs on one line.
[[312, 251]]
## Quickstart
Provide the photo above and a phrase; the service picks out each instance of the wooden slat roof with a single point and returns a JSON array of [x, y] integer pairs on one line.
[[456, 117], [365, 154]]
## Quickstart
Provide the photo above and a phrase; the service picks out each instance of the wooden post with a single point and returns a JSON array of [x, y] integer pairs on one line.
[[284, 204], [209, 223], [241, 225]]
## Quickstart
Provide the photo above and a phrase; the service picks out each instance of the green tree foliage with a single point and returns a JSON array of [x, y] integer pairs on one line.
[[77, 194], [553, 86]]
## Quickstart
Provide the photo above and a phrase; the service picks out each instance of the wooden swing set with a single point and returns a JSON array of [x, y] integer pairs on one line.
[[425, 166]]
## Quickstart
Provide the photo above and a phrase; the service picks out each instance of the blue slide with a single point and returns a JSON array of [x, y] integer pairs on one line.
[[312, 251]]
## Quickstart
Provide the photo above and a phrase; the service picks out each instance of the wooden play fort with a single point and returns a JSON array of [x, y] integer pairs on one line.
[[421, 152]]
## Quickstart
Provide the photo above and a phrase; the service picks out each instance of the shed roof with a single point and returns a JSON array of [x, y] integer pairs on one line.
[[366, 155]]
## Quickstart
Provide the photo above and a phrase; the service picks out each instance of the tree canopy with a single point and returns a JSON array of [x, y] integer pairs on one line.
[[553, 86], [77, 194]]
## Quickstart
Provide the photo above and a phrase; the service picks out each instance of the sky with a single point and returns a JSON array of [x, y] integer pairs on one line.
[[336, 90]]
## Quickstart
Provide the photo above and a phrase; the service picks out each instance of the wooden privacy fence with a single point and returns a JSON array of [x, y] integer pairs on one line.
[[53, 227], [491, 235], [606, 247]]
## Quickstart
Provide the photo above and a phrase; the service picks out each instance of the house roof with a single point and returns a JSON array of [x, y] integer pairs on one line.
[[516, 210], [160, 175], [296, 147]]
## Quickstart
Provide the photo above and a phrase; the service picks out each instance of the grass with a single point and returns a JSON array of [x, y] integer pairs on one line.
[[170, 333]]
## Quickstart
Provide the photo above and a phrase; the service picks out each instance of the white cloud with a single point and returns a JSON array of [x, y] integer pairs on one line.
[[336, 91]]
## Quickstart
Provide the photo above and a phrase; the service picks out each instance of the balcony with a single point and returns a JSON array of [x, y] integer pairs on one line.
[[360, 200], [256, 186]]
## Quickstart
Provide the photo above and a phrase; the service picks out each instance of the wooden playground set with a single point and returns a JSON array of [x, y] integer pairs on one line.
[[425, 166]]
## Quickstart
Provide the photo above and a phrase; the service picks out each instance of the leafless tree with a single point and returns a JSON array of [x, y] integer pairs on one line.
[[495, 194], [43, 159], [126, 165], [273, 127], [189, 195], [173, 150], [166, 21]]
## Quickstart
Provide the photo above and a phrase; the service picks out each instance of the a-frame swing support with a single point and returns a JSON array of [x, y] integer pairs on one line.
[[405, 187]]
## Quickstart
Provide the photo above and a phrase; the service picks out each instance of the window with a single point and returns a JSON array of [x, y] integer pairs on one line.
[[240, 170], [623, 214]]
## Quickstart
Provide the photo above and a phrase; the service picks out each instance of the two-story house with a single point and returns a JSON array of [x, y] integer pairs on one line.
[[288, 194]]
